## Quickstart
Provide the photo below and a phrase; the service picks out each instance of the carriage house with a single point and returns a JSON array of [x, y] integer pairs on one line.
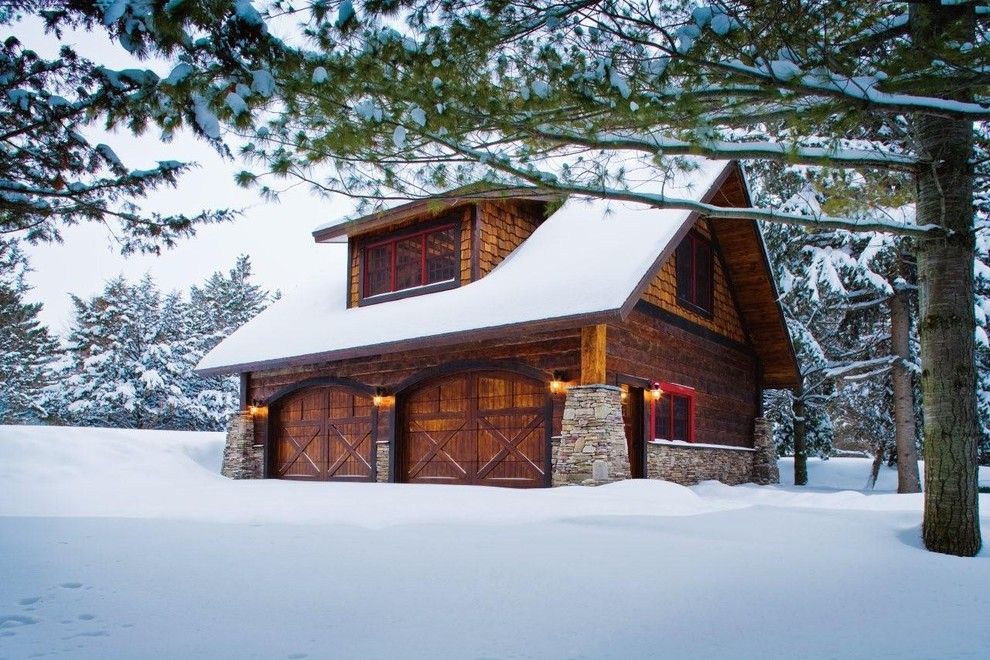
[[511, 338]]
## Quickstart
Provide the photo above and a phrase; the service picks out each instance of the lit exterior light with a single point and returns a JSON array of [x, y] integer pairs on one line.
[[656, 391], [378, 399], [255, 408], [557, 383]]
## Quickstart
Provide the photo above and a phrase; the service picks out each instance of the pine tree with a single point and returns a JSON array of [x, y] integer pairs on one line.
[[28, 351], [838, 292], [51, 174], [127, 367], [216, 309]]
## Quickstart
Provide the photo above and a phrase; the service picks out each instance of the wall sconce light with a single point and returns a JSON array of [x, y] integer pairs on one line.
[[624, 392], [557, 383], [254, 408], [655, 391], [378, 398]]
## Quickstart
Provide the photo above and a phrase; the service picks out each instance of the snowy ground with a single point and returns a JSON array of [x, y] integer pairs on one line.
[[129, 544]]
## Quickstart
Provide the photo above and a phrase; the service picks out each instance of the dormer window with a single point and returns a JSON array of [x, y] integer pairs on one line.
[[410, 262], [693, 261]]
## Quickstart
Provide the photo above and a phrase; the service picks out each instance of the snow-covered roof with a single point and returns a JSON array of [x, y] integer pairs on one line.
[[586, 259]]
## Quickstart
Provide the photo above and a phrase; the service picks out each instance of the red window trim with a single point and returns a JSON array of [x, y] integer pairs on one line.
[[680, 390], [697, 239], [393, 240]]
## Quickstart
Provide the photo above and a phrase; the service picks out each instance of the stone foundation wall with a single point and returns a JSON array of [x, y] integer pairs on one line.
[[688, 464], [382, 460], [592, 438], [242, 459]]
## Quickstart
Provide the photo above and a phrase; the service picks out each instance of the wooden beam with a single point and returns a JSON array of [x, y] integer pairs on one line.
[[593, 354]]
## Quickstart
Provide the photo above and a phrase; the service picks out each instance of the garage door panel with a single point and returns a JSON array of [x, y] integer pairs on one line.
[[528, 395], [324, 433], [349, 448], [494, 393], [299, 454], [478, 436]]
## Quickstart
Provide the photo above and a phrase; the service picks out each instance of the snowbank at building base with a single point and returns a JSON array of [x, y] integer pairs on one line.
[[129, 544]]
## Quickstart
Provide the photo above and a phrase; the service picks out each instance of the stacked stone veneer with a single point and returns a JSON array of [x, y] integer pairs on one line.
[[382, 456], [242, 459], [592, 447], [765, 469], [688, 464]]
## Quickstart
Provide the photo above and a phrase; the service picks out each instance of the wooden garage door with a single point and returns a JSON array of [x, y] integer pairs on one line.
[[324, 433], [476, 428]]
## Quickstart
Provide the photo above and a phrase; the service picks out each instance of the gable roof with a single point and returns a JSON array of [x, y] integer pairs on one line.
[[587, 263]]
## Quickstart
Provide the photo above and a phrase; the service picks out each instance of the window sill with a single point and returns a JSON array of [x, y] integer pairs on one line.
[[408, 293], [691, 307]]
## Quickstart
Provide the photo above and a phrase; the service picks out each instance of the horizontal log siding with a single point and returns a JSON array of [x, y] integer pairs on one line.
[[549, 352], [724, 378], [355, 242], [725, 320], [504, 226]]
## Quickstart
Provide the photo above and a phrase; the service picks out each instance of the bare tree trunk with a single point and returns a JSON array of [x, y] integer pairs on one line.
[[908, 480], [800, 439], [878, 455], [945, 294]]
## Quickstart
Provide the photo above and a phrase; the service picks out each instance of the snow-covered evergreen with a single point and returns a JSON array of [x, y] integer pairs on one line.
[[216, 309], [132, 352], [125, 368], [27, 350]]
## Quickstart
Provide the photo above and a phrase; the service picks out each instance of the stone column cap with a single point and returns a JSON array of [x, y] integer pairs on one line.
[[595, 386]]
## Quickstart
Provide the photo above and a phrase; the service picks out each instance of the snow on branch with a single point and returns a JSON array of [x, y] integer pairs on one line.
[[862, 88], [550, 181], [726, 150]]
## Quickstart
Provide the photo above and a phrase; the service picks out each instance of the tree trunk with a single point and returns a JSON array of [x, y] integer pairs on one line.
[[878, 455], [945, 295], [800, 440], [908, 480]]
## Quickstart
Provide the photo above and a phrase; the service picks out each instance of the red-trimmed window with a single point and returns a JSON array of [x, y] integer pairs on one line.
[[693, 261], [672, 415], [409, 261]]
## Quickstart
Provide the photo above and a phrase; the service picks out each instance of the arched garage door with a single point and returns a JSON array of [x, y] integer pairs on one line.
[[324, 433], [485, 428]]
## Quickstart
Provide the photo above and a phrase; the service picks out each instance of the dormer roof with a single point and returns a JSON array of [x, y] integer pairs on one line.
[[433, 205]]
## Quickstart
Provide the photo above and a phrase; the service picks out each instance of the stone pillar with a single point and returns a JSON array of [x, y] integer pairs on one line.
[[765, 470], [592, 438], [242, 459], [383, 453]]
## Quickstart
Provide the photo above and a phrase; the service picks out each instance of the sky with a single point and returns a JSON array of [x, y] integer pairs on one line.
[[276, 236]]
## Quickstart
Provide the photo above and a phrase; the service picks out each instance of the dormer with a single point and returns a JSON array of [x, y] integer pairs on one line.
[[434, 244]]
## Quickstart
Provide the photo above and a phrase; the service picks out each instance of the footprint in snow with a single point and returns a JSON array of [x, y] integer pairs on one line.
[[87, 617], [297, 656], [91, 633], [29, 601], [71, 585], [16, 621]]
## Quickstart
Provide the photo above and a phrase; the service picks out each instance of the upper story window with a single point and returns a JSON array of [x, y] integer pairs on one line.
[[409, 261], [694, 273], [672, 415]]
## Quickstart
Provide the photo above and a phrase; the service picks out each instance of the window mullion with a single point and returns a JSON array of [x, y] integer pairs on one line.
[[393, 251], [422, 259]]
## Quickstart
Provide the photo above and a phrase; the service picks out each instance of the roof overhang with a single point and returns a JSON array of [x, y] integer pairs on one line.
[[447, 339]]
